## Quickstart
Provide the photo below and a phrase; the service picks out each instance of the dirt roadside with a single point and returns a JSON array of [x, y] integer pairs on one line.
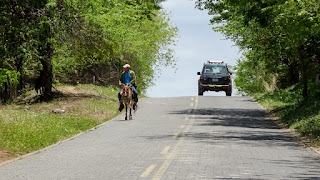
[[4, 156]]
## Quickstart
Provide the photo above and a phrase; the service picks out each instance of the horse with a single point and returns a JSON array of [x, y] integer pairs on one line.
[[126, 95]]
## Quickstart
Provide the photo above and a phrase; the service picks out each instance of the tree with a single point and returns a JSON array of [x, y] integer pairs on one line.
[[17, 24], [43, 39], [132, 32]]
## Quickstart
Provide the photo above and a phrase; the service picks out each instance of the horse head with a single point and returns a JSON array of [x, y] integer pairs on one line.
[[126, 91]]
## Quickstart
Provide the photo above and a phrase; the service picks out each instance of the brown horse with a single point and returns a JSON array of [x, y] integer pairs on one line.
[[126, 95]]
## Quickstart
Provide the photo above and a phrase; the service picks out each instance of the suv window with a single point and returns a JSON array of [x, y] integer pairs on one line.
[[209, 69]]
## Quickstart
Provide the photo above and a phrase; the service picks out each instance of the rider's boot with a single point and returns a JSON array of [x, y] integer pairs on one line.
[[121, 106], [135, 106]]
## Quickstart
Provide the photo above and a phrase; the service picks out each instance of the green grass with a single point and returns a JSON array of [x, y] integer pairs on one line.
[[23, 131], [303, 115]]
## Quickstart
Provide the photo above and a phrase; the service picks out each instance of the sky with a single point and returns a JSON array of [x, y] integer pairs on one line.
[[197, 43]]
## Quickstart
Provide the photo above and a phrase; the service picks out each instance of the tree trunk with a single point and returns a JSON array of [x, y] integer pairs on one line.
[[294, 75], [5, 93], [47, 73], [19, 63], [303, 73], [292, 68]]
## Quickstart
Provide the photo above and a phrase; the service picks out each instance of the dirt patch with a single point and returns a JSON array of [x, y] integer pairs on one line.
[[68, 100], [61, 93], [4, 156], [74, 91]]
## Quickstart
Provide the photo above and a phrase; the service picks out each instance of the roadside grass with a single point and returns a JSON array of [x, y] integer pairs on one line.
[[29, 127], [297, 113]]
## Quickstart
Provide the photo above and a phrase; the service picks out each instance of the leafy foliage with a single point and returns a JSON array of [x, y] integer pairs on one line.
[[66, 39], [134, 33]]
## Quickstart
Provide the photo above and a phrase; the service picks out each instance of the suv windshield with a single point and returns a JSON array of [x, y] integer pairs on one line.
[[209, 69]]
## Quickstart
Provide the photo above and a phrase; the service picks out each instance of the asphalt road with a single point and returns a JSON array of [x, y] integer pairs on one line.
[[177, 138]]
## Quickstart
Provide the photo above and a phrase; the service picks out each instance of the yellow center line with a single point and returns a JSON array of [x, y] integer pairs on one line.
[[175, 135], [174, 150], [170, 157], [165, 150], [196, 102], [149, 170]]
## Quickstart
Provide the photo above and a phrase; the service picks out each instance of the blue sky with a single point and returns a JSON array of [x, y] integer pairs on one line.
[[197, 43]]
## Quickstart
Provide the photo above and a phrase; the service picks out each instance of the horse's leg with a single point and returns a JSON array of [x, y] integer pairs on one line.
[[130, 116], [126, 113]]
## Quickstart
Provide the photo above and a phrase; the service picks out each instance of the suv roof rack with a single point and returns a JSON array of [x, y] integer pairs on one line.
[[216, 62]]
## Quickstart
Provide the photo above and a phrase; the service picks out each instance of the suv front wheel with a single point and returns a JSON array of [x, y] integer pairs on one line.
[[228, 93], [200, 92]]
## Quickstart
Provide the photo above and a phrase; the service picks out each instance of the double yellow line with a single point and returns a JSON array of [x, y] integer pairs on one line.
[[174, 150]]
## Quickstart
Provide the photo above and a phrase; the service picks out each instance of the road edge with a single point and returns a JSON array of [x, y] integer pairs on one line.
[[301, 141]]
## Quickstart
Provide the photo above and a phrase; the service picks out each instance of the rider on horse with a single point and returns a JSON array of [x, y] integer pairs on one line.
[[128, 77]]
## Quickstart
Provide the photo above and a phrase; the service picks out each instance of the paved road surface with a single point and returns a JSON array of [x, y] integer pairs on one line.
[[177, 138]]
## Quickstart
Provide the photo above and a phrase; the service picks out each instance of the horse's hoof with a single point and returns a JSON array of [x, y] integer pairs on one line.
[[126, 118], [130, 118]]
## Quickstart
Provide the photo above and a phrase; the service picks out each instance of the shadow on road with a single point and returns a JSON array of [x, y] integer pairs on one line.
[[220, 126], [246, 118], [226, 126], [249, 134]]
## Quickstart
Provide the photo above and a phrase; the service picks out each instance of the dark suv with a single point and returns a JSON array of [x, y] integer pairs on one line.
[[215, 76]]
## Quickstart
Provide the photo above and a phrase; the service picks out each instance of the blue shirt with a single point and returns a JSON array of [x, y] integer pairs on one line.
[[126, 78]]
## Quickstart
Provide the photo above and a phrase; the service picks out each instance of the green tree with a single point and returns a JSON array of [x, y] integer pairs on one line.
[[17, 23], [40, 39], [134, 32]]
